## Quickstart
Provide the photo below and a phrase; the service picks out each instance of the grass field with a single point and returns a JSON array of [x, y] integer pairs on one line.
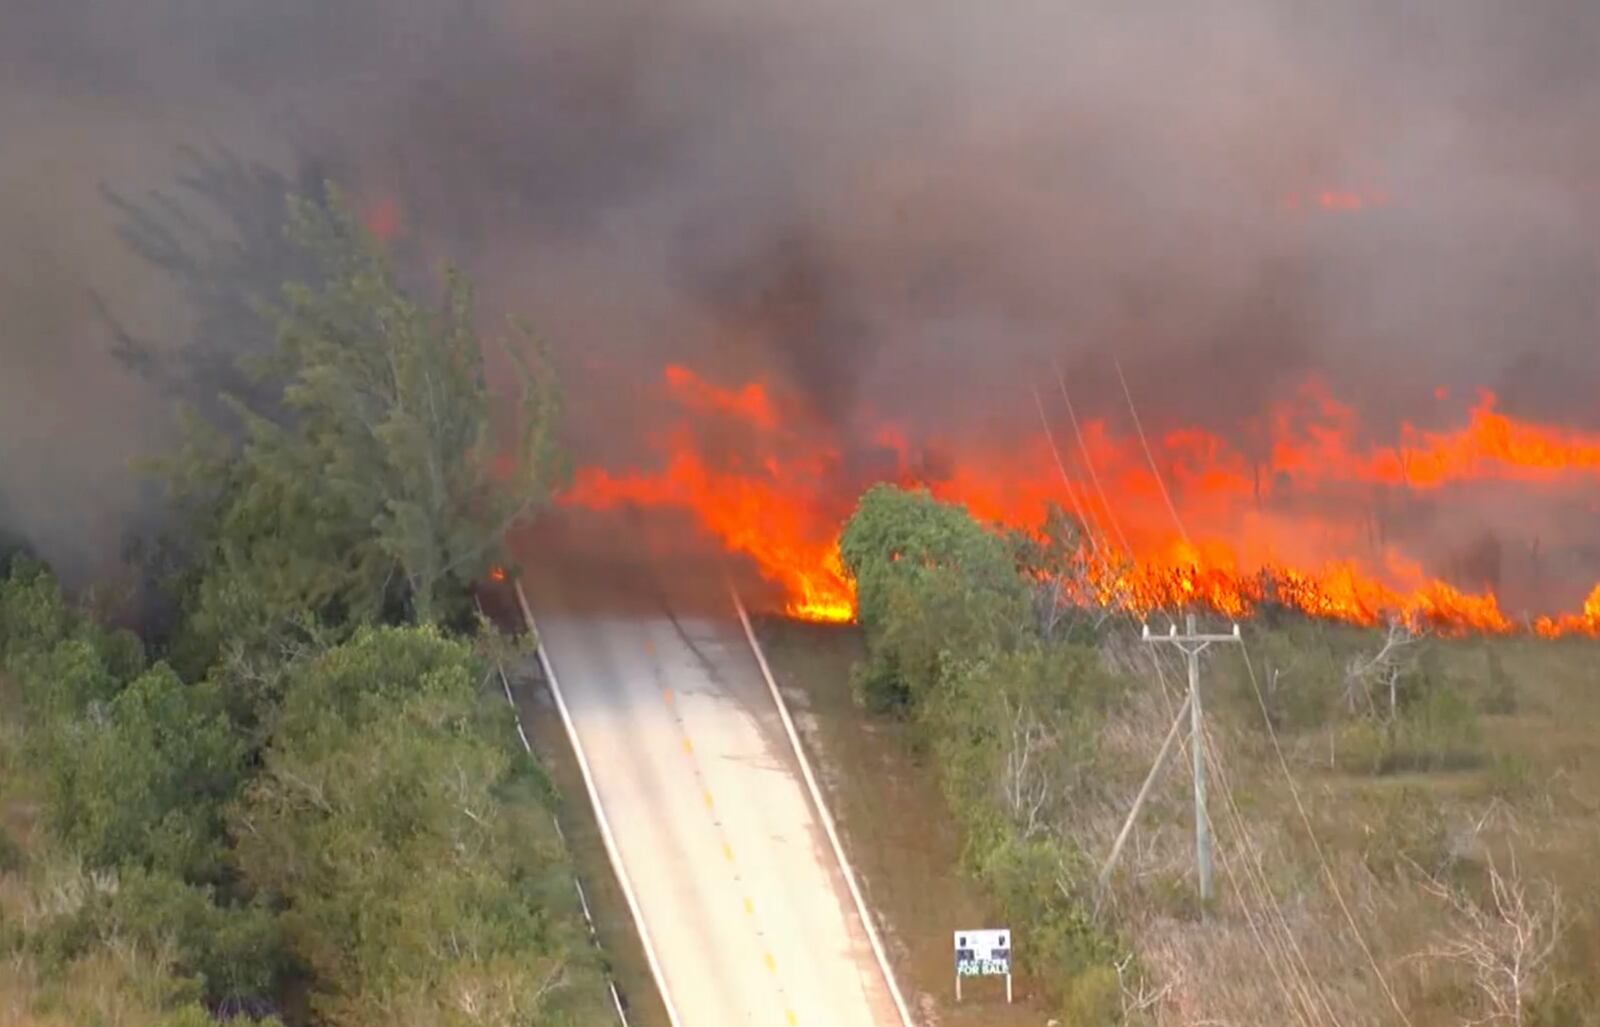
[[1513, 774]]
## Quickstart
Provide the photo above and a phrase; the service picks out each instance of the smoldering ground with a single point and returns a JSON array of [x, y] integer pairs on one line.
[[907, 207]]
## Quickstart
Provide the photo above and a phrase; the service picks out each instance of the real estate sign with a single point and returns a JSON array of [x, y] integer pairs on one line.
[[983, 953]]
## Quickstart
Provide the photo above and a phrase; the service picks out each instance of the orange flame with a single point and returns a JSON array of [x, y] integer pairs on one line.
[[782, 499], [1585, 623], [748, 403]]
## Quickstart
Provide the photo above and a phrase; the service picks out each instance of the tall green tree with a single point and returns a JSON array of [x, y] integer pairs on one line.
[[388, 486]]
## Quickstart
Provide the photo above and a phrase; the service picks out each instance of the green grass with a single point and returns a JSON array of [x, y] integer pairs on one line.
[[896, 829]]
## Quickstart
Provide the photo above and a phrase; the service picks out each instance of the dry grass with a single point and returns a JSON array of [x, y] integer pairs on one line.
[[1302, 931], [116, 986], [1386, 845]]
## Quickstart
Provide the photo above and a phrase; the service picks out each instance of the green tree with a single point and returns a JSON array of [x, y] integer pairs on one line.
[[143, 778], [387, 487], [932, 585], [421, 878], [228, 955]]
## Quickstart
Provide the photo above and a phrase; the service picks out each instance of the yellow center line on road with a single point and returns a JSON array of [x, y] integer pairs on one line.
[[719, 829]]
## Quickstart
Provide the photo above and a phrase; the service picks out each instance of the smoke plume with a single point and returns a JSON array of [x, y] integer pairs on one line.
[[907, 209]]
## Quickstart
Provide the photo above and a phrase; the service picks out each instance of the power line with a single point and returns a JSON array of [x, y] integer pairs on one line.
[[1289, 945], [1066, 482], [1297, 994], [1088, 462], [1272, 734], [1191, 643], [1316, 845], [1148, 455]]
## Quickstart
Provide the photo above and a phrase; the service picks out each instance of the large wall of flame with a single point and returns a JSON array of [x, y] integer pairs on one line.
[[1167, 521], [903, 211]]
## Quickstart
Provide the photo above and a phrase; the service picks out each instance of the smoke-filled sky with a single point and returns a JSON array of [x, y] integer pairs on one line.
[[904, 206]]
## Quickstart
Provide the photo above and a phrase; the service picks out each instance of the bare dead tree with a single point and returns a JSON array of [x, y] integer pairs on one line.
[[1139, 995], [1382, 669], [1051, 604], [1505, 943], [1026, 785]]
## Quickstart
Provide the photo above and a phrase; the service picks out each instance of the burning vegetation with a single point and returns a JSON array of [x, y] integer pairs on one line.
[[1189, 520]]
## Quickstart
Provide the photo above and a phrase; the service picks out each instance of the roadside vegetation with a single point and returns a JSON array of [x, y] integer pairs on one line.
[[1402, 823], [300, 802]]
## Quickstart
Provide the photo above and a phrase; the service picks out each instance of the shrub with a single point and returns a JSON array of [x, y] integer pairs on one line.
[[1509, 776], [1500, 695], [11, 856], [1300, 678], [1093, 998], [381, 822], [231, 954], [1438, 731], [1033, 882], [143, 780], [1405, 829]]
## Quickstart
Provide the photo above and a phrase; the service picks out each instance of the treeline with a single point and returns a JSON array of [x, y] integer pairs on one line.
[[301, 805]]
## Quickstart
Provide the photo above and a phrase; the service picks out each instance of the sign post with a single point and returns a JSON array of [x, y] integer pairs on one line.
[[983, 953]]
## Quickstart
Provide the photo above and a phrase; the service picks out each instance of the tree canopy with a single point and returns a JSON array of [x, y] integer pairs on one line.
[[382, 747], [304, 803], [930, 582], [379, 483]]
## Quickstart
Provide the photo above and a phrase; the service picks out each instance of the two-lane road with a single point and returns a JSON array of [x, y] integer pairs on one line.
[[745, 905]]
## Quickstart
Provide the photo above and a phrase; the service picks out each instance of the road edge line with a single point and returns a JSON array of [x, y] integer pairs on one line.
[[604, 824], [823, 814], [577, 884]]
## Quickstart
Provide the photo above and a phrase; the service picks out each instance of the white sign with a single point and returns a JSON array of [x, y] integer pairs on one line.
[[983, 953]]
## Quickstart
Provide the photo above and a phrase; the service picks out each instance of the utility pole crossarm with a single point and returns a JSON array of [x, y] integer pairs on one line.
[[1190, 637], [1192, 644]]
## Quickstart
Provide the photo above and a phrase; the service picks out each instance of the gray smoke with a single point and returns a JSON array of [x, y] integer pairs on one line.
[[907, 207]]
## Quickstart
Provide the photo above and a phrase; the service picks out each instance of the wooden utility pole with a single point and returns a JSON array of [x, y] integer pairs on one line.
[[1192, 645]]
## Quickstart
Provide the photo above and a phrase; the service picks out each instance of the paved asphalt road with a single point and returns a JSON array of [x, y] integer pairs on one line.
[[747, 909]]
